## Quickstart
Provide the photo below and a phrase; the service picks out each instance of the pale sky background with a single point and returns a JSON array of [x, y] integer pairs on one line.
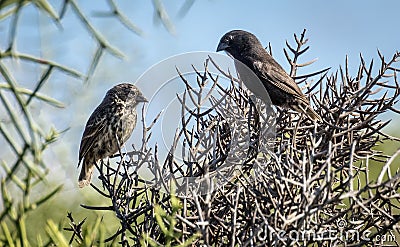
[[334, 28]]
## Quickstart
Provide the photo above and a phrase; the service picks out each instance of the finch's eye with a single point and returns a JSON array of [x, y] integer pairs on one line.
[[228, 39]]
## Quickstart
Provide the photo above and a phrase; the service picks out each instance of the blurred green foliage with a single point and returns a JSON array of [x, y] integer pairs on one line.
[[167, 223], [32, 209]]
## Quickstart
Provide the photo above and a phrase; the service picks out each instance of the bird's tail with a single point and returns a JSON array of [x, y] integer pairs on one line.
[[86, 174], [306, 109], [313, 115]]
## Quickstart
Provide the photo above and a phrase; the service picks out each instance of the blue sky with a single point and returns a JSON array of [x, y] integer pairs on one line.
[[335, 28]]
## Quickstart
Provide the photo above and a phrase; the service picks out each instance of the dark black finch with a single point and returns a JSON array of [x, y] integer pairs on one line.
[[282, 89], [109, 126]]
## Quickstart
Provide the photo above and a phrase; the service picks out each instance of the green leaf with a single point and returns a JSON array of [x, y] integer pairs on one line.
[[34, 59], [48, 196], [7, 235], [46, 7], [160, 214], [22, 231], [14, 178], [38, 96], [90, 239], [55, 234]]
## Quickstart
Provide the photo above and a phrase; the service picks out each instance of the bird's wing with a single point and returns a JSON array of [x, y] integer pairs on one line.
[[93, 130], [276, 75]]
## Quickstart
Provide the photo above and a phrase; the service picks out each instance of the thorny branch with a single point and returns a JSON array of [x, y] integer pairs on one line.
[[309, 178]]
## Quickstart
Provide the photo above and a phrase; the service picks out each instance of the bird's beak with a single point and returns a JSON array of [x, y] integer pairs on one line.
[[222, 46], [141, 98]]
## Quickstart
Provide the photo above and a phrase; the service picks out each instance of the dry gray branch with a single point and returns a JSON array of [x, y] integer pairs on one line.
[[308, 185]]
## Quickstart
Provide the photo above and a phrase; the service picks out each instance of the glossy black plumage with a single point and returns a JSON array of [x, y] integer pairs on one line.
[[282, 89]]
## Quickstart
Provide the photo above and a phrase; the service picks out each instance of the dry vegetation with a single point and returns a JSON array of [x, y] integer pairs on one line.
[[261, 179]]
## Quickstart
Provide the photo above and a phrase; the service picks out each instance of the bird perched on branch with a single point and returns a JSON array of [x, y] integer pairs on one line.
[[108, 128], [282, 89]]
